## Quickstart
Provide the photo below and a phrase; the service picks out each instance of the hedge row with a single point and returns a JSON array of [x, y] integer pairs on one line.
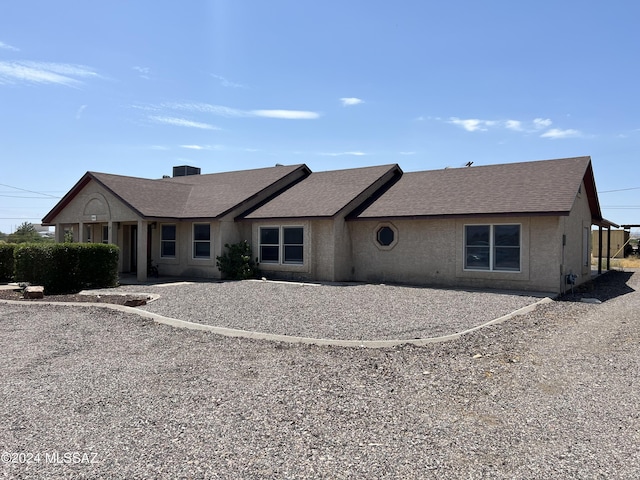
[[66, 267], [6, 261]]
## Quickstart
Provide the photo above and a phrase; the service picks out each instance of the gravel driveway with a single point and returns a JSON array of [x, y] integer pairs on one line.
[[550, 394], [346, 312]]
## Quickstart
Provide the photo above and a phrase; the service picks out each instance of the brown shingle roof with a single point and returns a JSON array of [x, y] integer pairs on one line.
[[196, 196], [323, 194], [541, 187]]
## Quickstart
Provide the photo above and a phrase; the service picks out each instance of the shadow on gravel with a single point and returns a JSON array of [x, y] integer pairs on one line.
[[607, 286]]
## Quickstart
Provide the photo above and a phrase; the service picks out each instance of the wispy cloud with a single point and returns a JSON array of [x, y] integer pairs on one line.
[[223, 111], [202, 147], [350, 101], [80, 111], [407, 153], [225, 82], [515, 125], [536, 126], [143, 72], [557, 133], [6, 46], [542, 123], [45, 73], [340, 154], [286, 114], [471, 124], [181, 122]]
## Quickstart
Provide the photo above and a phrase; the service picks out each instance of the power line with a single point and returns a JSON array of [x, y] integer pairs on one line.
[[620, 190], [29, 191]]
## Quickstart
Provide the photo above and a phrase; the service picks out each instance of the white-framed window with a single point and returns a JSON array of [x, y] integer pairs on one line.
[[201, 240], [493, 248], [282, 245], [168, 240]]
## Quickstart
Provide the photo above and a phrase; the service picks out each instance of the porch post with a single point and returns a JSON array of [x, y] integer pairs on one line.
[[609, 247], [142, 250], [600, 250], [80, 236], [110, 232], [59, 233]]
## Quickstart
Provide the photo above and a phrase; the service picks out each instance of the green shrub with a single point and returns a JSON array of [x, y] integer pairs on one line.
[[67, 267], [237, 263], [6, 261]]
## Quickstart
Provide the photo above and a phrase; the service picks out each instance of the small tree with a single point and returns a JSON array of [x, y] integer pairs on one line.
[[237, 263], [25, 233]]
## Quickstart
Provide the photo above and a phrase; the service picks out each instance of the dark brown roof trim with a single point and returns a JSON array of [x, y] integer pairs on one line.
[[460, 215]]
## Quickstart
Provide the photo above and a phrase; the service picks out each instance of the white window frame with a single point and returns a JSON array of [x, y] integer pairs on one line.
[[174, 241], [492, 248], [194, 241], [281, 244]]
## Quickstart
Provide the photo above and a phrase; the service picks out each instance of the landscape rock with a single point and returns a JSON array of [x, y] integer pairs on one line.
[[33, 291]]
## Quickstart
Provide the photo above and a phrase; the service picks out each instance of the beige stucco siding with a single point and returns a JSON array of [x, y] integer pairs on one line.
[[431, 252], [577, 228]]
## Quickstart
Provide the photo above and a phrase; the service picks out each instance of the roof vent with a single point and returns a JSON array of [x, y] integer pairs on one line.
[[185, 170]]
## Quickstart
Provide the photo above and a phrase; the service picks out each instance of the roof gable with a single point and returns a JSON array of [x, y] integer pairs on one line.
[[323, 194], [195, 196], [529, 188]]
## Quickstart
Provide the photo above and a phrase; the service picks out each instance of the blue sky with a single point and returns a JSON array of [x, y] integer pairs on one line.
[[135, 88]]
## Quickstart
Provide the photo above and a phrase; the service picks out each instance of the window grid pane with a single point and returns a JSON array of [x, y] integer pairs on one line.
[[492, 247], [201, 240]]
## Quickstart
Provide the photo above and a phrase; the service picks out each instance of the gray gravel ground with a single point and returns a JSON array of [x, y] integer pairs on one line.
[[550, 394], [350, 312]]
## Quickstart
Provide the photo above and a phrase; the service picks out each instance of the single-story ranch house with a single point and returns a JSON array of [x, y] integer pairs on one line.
[[524, 226]]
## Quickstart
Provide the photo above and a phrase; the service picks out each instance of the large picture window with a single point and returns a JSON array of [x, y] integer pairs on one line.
[[168, 241], [492, 247], [282, 245], [201, 240]]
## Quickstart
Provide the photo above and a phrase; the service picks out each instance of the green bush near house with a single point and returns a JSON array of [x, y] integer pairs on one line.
[[237, 263], [6, 261], [67, 267]]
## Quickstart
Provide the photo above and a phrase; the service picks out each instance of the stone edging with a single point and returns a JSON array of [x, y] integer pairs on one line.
[[233, 332]]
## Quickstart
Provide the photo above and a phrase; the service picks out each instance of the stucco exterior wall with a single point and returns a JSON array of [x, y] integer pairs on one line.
[[431, 252], [577, 229]]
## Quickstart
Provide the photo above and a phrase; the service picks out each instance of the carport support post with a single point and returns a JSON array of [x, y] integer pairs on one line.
[[609, 247], [142, 251], [600, 249]]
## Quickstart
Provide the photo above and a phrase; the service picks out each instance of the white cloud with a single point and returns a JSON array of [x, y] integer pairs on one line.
[[44, 73], [286, 114], [80, 111], [143, 71], [541, 123], [515, 125], [407, 153], [349, 101], [340, 154], [181, 122], [202, 147], [6, 46], [223, 111], [227, 83], [469, 124], [557, 133]]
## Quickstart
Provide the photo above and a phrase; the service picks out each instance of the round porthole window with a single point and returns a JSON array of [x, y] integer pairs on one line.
[[385, 236]]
